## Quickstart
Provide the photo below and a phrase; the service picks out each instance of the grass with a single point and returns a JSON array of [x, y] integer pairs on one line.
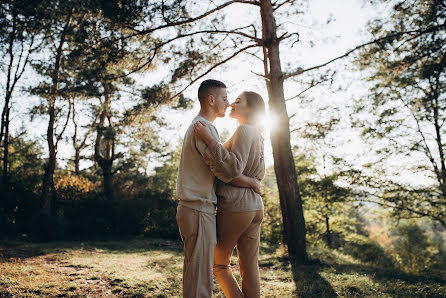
[[152, 268]]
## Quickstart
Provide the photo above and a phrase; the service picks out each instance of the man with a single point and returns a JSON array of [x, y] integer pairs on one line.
[[196, 194]]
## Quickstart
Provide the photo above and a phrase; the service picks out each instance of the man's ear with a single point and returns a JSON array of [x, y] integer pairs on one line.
[[211, 99]]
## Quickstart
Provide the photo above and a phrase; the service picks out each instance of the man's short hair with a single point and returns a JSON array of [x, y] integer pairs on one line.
[[206, 88]]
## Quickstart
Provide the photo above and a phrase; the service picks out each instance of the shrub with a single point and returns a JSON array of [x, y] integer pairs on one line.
[[160, 216], [413, 250]]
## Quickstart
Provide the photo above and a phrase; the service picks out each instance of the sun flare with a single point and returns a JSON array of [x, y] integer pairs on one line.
[[270, 123]]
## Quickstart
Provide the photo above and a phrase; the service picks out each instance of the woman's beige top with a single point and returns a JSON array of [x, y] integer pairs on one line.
[[242, 154]]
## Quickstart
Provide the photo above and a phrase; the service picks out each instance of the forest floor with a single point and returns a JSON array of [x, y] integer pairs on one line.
[[139, 267]]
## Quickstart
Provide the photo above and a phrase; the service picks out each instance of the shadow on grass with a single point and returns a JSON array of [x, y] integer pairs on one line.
[[13, 252], [394, 282], [23, 249], [330, 276], [389, 274], [308, 281]]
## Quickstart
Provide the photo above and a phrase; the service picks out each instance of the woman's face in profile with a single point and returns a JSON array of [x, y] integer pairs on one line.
[[240, 109]]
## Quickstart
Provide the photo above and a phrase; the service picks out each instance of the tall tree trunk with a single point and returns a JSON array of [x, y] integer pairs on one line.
[[5, 124], [4, 135], [105, 161], [77, 159], [48, 189], [77, 149], [103, 155], [48, 194], [107, 174], [290, 200]]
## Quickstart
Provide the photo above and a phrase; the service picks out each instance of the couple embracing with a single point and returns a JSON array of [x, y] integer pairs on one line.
[[210, 234]]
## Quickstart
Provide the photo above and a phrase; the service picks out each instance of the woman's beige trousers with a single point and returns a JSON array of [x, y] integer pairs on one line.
[[241, 230]]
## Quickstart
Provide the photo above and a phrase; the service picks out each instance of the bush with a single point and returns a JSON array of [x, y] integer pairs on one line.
[[86, 211], [413, 250], [160, 218], [18, 206]]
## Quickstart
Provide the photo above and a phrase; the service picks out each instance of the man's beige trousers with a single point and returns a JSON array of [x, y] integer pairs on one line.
[[241, 229], [198, 231]]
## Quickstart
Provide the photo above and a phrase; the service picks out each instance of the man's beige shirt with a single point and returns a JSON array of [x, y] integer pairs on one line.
[[195, 180]]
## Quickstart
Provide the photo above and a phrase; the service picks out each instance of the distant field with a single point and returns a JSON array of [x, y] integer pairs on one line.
[[152, 268]]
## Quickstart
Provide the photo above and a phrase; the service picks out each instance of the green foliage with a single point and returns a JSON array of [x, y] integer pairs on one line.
[[271, 231], [402, 117], [160, 218], [144, 206], [330, 214], [413, 250], [323, 199], [19, 203]]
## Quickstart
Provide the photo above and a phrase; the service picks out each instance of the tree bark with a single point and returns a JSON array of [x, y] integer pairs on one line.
[[77, 159], [108, 179], [290, 201]]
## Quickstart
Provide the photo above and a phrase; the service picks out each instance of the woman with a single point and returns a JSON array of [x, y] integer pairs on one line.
[[240, 210]]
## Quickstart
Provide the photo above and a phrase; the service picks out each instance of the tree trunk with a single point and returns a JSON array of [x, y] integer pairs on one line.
[[48, 189], [106, 167], [105, 161], [77, 159], [290, 200], [5, 114], [77, 149], [5, 125], [48, 193], [327, 230]]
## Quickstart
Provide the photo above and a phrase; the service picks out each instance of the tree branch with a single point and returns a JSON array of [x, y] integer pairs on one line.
[[427, 150], [213, 67], [279, 5], [306, 89], [301, 71], [191, 20], [160, 45]]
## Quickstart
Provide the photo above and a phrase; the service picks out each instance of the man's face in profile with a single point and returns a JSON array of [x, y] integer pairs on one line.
[[221, 102]]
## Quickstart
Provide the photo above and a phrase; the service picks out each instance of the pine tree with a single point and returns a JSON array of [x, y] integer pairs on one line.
[[406, 107]]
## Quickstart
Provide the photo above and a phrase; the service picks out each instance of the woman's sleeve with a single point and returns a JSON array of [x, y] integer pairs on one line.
[[225, 164]]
